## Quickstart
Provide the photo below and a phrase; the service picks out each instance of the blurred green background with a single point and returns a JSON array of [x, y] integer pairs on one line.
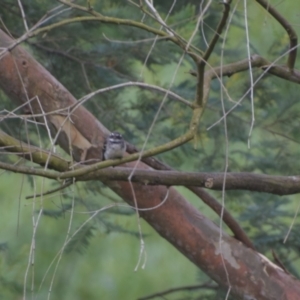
[[99, 261]]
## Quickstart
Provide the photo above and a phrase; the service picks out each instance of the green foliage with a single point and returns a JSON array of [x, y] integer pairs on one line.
[[57, 213], [88, 56], [81, 240]]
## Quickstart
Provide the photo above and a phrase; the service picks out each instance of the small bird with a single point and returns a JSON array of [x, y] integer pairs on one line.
[[115, 146]]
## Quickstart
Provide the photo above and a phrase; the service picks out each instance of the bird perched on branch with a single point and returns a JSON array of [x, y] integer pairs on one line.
[[115, 146]]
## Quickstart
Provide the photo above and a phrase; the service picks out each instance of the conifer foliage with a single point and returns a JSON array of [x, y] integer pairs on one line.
[[205, 94]]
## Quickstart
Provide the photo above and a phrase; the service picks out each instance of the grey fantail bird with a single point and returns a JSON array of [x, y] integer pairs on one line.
[[115, 146]]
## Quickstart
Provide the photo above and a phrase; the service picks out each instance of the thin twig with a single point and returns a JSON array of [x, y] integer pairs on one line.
[[158, 17], [202, 63], [23, 15], [62, 187], [207, 285]]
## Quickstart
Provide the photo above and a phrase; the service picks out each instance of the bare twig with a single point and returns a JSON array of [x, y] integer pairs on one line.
[[202, 63], [23, 15], [158, 17], [62, 187], [137, 84], [207, 285]]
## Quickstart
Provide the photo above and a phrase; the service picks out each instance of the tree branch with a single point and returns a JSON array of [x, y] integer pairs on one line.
[[256, 62], [288, 28], [33, 154], [279, 185], [207, 285], [202, 63]]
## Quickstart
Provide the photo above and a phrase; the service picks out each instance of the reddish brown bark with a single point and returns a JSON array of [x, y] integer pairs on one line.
[[250, 275]]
